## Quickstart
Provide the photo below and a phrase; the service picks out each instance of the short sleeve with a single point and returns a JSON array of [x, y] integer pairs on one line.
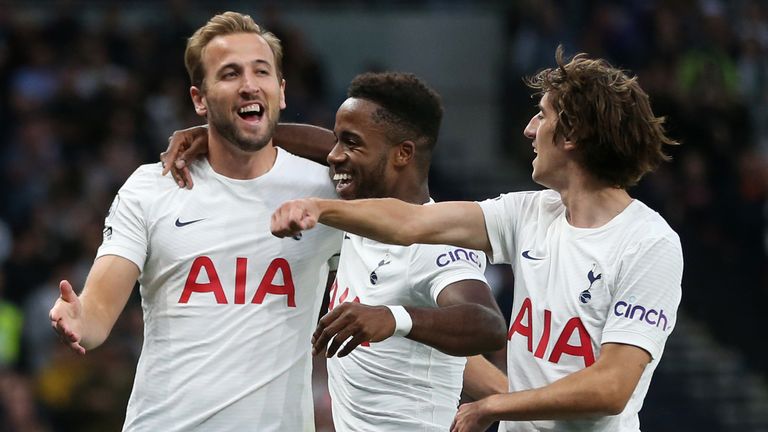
[[433, 267], [497, 224], [644, 307], [125, 227]]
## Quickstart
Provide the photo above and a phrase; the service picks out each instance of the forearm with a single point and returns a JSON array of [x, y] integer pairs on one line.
[[602, 389], [392, 221], [482, 378], [104, 296], [459, 330], [310, 142], [386, 220], [97, 323]]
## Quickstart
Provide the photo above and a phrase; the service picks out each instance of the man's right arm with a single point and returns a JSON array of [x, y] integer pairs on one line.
[[388, 220], [308, 141], [83, 322]]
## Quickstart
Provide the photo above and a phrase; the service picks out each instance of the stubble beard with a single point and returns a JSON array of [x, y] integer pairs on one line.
[[229, 131], [374, 186]]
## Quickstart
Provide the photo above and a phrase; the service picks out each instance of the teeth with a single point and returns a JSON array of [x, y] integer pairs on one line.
[[250, 108], [344, 176]]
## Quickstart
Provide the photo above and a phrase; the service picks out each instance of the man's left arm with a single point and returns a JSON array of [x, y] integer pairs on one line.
[[602, 389], [466, 322]]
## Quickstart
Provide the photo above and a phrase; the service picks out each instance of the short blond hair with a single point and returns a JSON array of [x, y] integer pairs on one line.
[[220, 25]]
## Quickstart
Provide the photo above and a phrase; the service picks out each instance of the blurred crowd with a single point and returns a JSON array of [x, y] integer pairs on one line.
[[84, 103]]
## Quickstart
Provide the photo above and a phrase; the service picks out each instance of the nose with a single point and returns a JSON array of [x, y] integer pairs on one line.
[[248, 86], [530, 130], [337, 155]]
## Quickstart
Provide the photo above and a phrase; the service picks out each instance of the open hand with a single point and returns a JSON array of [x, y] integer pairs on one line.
[[66, 316]]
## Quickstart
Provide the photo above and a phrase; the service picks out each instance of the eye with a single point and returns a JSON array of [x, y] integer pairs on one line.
[[229, 74], [540, 116]]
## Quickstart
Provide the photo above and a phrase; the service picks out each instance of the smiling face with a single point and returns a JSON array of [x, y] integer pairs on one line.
[[549, 158], [241, 94], [359, 160]]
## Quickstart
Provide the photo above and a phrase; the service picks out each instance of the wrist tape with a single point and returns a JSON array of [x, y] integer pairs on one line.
[[403, 322]]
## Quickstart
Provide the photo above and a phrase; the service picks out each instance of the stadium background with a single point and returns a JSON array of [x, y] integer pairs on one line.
[[90, 90]]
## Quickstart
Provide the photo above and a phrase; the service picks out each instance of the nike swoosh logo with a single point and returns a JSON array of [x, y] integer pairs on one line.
[[180, 224], [527, 254]]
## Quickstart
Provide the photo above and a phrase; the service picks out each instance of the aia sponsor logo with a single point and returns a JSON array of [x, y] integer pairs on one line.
[[458, 254], [523, 326], [650, 316], [277, 279]]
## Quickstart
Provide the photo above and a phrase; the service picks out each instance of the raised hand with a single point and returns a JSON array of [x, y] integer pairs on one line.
[[360, 322], [184, 145], [66, 317], [293, 217]]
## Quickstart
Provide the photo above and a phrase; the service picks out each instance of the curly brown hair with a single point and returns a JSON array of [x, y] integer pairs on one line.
[[609, 117], [221, 25]]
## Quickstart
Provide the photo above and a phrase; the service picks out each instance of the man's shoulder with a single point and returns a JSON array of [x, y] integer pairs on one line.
[[307, 178], [294, 161], [148, 179], [650, 225]]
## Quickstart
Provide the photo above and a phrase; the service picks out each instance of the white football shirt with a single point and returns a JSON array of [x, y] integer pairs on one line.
[[229, 309], [397, 384], [578, 288]]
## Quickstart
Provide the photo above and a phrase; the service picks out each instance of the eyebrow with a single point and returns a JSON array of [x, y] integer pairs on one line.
[[239, 66], [348, 135]]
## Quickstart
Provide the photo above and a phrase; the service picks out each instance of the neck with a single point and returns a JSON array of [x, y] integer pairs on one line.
[[590, 204], [230, 161], [415, 193]]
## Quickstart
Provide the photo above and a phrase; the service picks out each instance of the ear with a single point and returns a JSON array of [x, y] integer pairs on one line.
[[282, 95], [198, 99], [405, 152], [569, 144]]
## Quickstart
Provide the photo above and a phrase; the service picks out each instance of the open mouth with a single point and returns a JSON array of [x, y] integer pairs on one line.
[[252, 112], [343, 182]]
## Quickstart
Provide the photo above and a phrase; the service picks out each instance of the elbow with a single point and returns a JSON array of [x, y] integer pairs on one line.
[[495, 332], [499, 335], [613, 399], [490, 338]]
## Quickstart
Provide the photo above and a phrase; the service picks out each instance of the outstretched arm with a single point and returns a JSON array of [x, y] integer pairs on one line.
[[83, 322], [467, 322], [389, 220], [604, 388], [310, 142]]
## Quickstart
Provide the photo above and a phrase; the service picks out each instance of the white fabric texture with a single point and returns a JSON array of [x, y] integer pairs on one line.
[[228, 308], [397, 384], [577, 288]]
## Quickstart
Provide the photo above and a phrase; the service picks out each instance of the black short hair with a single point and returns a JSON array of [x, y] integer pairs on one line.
[[411, 109]]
